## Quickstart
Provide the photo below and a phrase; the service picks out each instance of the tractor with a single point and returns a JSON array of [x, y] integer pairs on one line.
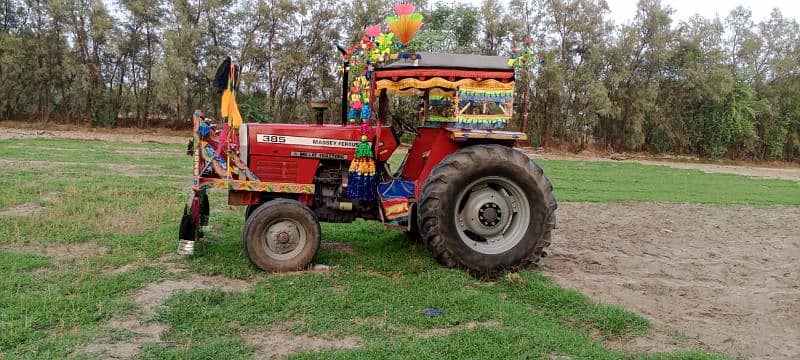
[[463, 190]]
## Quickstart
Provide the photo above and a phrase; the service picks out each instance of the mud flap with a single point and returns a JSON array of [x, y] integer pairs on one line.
[[189, 230]]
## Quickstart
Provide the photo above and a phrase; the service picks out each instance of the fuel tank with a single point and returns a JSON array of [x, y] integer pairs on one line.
[[292, 152]]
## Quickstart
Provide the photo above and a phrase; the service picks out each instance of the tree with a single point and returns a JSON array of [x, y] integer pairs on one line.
[[714, 87]]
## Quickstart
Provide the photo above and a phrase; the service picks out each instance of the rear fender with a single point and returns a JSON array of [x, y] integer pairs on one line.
[[434, 144]]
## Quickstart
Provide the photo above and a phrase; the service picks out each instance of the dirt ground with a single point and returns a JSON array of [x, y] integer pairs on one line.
[[722, 277], [143, 328], [90, 134], [767, 170]]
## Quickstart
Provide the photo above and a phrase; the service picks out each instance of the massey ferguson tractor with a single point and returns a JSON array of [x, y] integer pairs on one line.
[[474, 201]]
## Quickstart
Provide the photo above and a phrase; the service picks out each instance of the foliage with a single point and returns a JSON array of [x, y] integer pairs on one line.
[[714, 87]]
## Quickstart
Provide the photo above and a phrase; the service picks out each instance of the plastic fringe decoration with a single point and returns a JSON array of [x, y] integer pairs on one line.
[[526, 58], [406, 24], [362, 182]]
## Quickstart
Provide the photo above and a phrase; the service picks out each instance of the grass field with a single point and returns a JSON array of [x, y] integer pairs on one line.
[[87, 225]]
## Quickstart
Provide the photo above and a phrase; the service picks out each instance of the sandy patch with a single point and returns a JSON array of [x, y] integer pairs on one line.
[[29, 209], [472, 325], [144, 333], [726, 277], [148, 299], [756, 172], [340, 247], [110, 270], [122, 169], [21, 210], [278, 343], [61, 252], [50, 197], [9, 133], [784, 173], [154, 294]]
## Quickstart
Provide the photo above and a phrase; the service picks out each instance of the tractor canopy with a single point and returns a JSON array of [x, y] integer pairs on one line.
[[457, 90]]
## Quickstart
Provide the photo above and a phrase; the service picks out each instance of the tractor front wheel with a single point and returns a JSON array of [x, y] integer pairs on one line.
[[487, 208], [282, 235]]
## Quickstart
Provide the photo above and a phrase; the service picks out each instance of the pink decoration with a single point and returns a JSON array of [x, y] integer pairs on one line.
[[374, 30], [403, 9]]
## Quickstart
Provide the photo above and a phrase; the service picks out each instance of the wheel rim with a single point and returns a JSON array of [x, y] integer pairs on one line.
[[492, 215], [283, 239]]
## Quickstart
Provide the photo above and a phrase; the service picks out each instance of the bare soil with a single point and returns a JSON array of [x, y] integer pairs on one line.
[[279, 342], [146, 331], [154, 294], [91, 134], [61, 252], [472, 325], [23, 210], [724, 277], [764, 170], [340, 247]]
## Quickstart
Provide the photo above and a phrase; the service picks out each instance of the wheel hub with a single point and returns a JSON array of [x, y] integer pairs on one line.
[[483, 212], [283, 237], [490, 214]]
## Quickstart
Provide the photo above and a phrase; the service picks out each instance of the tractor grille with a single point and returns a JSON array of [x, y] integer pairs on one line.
[[274, 170]]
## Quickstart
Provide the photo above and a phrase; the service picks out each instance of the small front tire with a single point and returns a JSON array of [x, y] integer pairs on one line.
[[282, 235]]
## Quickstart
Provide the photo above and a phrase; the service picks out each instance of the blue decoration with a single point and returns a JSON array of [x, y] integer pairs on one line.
[[361, 187], [396, 189], [365, 111], [204, 130], [352, 114]]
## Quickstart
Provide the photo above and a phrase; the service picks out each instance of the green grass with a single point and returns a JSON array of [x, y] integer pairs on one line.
[[609, 182], [50, 306], [602, 181]]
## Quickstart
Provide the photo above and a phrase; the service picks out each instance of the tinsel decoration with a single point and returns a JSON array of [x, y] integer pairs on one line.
[[375, 49], [362, 182], [495, 96], [524, 58]]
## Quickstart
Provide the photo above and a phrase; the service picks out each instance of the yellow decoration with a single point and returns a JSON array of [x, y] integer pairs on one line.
[[230, 109], [407, 83]]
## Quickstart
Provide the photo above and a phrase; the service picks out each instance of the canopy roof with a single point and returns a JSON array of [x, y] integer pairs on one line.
[[446, 72], [453, 61]]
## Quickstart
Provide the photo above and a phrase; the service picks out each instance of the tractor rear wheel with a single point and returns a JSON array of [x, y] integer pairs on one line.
[[487, 208], [282, 235]]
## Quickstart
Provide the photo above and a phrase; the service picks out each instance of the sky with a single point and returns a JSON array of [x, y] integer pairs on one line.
[[623, 11]]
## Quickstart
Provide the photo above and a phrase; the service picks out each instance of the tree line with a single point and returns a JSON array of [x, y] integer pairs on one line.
[[714, 87]]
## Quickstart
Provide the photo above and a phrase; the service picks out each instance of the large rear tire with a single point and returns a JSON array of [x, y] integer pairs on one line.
[[282, 235], [487, 208]]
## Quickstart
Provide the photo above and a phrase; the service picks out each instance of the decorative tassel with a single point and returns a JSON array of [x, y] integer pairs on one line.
[[362, 176], [364, 150]]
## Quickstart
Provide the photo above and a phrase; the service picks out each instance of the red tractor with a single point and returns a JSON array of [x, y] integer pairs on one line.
[[473, 200]]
